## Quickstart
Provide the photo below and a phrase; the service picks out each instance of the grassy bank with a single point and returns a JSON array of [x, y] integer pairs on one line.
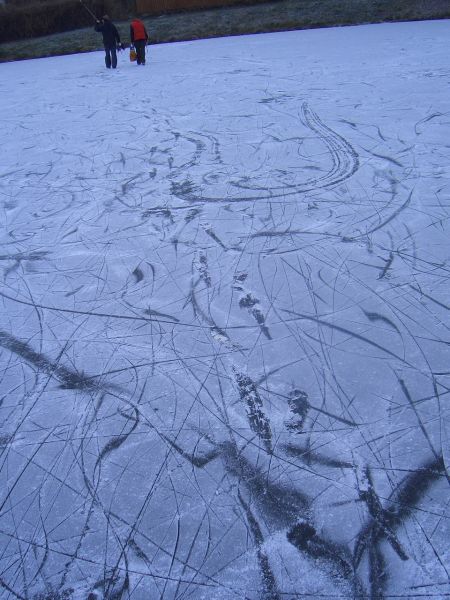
[[280, 15]]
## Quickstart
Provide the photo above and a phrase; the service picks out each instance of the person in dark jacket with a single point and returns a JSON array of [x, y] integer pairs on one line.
[[111, 39], [139, 38]]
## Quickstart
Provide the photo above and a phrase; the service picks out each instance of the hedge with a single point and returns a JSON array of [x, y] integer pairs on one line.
[[37, 19]]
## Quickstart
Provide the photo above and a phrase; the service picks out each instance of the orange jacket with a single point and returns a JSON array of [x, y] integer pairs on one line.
[[138, 31]]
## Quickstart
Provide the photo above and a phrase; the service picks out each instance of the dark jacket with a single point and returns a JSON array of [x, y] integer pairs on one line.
[[111, 36]]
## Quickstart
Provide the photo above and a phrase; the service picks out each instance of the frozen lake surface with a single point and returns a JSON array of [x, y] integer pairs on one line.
[[224, 326]]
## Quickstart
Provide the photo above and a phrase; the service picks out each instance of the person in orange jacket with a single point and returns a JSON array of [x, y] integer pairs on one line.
[[139, 38]]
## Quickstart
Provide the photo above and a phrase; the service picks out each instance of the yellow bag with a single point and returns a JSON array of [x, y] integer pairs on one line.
[[133, 55]]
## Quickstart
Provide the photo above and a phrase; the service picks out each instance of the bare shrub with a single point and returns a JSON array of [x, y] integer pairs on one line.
[[26, 19]]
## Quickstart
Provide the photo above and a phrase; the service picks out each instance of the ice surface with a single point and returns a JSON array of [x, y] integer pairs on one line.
[[224, 334]]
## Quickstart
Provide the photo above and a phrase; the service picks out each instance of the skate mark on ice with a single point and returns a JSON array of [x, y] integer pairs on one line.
[[310, 457], [269, 585], [68, 379], [252, 304], [299, 406], [216, 332], [96, 314], [335, 558], [138, 274], [258, 421], [344, 164], [201, 265], [368, 495], [375, 317], [208, 229], [384, 521], [280, 504]]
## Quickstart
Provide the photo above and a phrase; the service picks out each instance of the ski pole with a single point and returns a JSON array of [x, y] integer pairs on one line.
[[89, 10]]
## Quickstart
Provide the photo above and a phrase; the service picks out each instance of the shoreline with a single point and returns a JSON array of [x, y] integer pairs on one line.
[[275, 16]]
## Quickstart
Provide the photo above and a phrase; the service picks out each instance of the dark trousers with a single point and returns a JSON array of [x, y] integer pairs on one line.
[[110, 56], [140, 51]]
